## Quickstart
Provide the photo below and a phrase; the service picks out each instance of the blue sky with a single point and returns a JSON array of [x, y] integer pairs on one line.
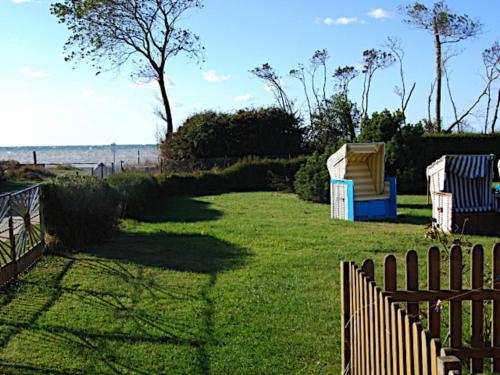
[[45, 101]]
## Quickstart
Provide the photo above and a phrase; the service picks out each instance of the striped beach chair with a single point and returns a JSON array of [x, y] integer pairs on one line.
[[358, 187], [462, 195]]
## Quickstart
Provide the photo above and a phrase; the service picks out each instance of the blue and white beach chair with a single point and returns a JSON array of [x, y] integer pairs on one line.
[[462, 195], [359, 189]]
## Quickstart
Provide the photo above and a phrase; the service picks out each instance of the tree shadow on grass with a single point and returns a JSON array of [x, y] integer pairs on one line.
[[411, 219], [183, 209], [194, 253], [180, 252]]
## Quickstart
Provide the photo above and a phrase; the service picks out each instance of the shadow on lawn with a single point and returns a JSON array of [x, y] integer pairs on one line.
[[180, 252], [201, 254], [183, 209]]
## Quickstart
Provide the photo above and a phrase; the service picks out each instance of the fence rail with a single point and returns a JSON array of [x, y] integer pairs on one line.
[[21, 232], [382, 331]]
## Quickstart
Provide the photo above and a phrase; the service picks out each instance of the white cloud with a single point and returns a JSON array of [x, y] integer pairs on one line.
[[379, 13], [348, 20], [243, 98], [28, 71], [268, 87], [338, 21], [212, 76], [21, 1]]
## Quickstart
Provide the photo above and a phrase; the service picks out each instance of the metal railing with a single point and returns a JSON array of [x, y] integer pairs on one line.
[[21, 231]]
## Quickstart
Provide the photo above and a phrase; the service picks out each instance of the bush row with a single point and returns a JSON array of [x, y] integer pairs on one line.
[[83, 210], [226, 135]]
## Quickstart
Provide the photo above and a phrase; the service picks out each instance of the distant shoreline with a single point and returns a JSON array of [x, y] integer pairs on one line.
[[78, 146]]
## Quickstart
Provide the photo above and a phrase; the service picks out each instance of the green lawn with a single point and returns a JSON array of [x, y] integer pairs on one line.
[[244, 283]]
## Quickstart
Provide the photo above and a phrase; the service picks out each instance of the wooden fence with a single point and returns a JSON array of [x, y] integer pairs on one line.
[[21, 232], [382, 331]]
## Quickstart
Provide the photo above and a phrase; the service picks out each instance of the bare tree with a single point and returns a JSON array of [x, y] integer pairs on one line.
[[113, 32], [318, 61], [343, 77], [373, 60], [394, 45], [299, 73], [446, 27], [267, 73], [491, 60]]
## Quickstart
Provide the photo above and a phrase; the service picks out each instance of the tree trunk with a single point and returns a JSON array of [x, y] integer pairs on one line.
[[166, 104], [439, 74], [488, 105], [495, 117]]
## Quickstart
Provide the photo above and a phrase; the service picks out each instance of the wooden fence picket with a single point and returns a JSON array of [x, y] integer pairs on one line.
[[380, 337]]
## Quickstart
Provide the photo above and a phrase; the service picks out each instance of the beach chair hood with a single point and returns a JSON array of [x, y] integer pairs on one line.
[[468, 177], [352, 154]]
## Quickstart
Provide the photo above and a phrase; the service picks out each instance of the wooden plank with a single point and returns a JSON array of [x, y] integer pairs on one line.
[[408, 344], [425, 339], [434, 283], [496, 304], [435, 350], [354, 320], [401, 341], [365, 362], [390, 273], [371, 327], [447, 364], [456, 306], [345, 313], [388, 335], [477, 310], [394, 338], [383, 332], [359, 332], [417, 347], [369, 269], [444, 294], [377, 322], [412, 280], [490, 352]]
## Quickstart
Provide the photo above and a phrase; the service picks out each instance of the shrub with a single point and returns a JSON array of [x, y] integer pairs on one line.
[[138, 193], [79, 210], [247, 132], [312, 181], [334, 122], [13, 169], [380, 127], [250, 175]]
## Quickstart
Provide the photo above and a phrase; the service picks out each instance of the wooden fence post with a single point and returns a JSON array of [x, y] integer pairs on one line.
[[477, 313], [434, 283], [345, 314], [495, 280], [456, 306], [12, 238], [447, 364]]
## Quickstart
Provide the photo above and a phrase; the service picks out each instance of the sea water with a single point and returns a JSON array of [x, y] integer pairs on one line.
[[129, 154]]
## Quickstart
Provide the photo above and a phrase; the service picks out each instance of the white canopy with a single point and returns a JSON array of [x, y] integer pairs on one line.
[[361, 162], [468, 177]]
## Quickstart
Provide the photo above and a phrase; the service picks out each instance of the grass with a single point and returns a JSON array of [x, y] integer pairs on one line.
[[243, 283]]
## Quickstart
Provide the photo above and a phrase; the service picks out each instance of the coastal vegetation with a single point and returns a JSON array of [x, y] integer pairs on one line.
[[238, 283]]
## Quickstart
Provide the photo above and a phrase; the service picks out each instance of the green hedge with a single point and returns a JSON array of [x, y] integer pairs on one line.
[[256, 175], [208, 135], [432, 146], [79, 210], [138, 193]]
